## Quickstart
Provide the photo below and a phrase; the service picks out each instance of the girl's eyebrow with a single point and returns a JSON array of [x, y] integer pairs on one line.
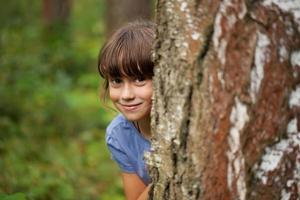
[[116, 77]]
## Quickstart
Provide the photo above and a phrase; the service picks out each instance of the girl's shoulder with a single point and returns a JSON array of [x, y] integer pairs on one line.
[[117, 124], [119, 120], [120, 132]]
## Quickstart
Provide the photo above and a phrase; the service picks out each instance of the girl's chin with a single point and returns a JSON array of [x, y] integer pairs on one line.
[[132, 117], [135, 117]]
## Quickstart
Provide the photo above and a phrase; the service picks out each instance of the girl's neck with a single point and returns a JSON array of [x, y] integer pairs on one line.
[[144, 127]]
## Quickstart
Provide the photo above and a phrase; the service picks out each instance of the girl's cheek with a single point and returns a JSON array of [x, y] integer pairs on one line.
[[112, 94]]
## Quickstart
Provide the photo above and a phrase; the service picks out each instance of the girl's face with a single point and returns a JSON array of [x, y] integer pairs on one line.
[[132, 97]]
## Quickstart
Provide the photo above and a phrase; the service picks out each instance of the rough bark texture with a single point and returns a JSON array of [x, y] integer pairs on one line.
[[226, 107], [121, 12]]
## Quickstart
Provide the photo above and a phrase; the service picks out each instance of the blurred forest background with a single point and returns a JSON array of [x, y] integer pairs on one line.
[[52, 121]]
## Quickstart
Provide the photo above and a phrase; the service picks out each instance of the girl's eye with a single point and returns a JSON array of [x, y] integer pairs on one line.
[[140, 81], [115, 82]]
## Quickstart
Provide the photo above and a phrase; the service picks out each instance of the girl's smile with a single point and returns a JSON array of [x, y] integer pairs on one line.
[[131, 107]]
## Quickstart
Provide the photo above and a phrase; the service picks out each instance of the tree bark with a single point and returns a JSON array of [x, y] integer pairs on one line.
[[226, 106], [121, 12]]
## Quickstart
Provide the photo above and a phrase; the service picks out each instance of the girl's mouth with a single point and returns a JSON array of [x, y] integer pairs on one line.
[[130, 107]]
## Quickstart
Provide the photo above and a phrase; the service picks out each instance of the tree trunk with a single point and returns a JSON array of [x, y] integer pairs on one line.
[[121, 12], [56, 11], [226, 105], [56, 15]]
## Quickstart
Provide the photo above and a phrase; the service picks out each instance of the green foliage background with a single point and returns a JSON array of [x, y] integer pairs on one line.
[[52, 121]]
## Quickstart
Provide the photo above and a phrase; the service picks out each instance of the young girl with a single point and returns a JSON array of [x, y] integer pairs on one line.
[[125, 64]]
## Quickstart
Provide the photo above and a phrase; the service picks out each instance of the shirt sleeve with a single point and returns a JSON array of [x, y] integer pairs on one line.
[[119, 155]]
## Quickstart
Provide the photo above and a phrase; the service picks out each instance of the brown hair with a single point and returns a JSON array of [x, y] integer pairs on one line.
[[128, 52]]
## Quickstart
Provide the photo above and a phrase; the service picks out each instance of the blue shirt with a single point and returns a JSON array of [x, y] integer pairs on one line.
[[127, 147]]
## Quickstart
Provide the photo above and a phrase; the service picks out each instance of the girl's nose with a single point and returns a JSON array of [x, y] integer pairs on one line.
[[127, 92]]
